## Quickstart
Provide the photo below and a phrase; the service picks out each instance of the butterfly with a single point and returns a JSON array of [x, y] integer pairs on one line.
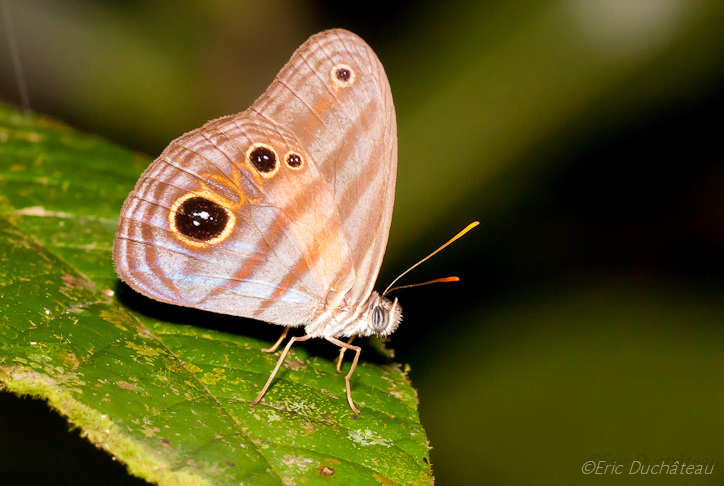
[[282, 212]]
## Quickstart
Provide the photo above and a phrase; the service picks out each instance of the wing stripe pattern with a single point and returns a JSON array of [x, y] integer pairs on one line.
[[361, 165], [273, 225]]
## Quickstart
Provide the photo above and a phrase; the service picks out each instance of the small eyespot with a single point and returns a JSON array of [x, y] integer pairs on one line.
[[343, 75], [294, 160], [380, 318], [199, 221], [264, 159]]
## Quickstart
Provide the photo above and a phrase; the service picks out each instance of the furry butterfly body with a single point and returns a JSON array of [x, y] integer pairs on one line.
[[282, 212]]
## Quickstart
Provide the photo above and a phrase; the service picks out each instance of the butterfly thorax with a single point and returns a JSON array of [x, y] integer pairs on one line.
[[378, 316]]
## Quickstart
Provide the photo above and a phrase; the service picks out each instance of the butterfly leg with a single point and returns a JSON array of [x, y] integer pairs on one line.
[[357, 350], [276, 344], [279, 363], [341, 354]]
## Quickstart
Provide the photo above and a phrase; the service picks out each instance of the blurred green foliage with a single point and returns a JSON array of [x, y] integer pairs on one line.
[[584, 134]]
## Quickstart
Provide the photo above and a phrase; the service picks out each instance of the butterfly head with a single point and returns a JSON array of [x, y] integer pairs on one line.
[[384, 316]]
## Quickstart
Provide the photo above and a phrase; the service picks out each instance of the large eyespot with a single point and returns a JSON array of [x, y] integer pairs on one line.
[[294, 160], [264, 159], [199, 221], [343, 75], [380, 318]]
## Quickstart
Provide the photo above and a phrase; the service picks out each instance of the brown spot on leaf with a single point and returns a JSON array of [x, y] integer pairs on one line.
[[150, 431], [308, 427], [70, 360], [72, 281], [325, 470], [126, 386], [294, 365]]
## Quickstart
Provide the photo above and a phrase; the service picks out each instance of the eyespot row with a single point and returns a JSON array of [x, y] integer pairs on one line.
[[265, 159]]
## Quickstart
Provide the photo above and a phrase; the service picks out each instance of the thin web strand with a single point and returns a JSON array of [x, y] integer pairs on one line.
[[15, 56]]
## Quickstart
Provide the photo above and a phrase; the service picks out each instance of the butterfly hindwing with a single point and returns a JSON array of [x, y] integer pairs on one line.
[[285, 248]]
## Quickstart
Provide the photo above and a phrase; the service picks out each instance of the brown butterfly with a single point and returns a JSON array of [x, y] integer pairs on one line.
[[282, 212]]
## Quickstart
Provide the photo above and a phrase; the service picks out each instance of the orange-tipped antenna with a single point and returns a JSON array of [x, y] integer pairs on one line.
[[446, 279], [437, 280]]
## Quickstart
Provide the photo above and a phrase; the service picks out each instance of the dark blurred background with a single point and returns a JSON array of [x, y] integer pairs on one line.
[[585, 135]]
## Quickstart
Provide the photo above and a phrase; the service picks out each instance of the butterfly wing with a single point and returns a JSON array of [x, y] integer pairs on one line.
[[346, 121], [207, 228], [294, 237]]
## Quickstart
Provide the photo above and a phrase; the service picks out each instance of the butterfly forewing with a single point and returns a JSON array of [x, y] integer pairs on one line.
[[349, 129]]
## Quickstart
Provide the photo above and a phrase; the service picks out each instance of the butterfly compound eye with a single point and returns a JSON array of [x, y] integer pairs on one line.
[[264, 159], [380, 318], [200, 220], [343, 75]]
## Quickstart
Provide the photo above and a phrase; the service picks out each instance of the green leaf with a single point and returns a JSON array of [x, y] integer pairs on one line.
[[170, 401]]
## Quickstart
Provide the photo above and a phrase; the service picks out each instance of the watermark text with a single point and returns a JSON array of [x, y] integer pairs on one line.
[[612, 464]]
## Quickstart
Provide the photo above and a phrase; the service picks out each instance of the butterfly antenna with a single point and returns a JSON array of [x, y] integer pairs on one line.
[[445, 279]]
